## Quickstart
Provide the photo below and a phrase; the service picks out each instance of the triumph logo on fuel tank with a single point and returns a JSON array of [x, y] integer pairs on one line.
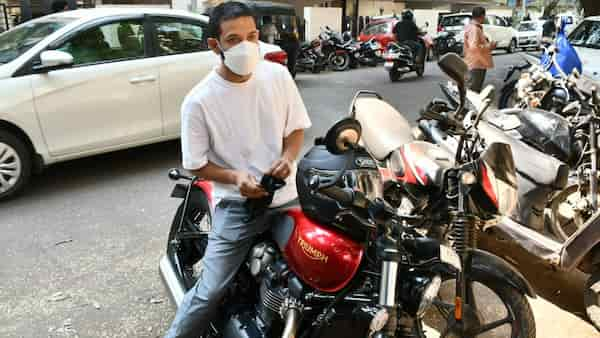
[[312, 252], [365, 162]]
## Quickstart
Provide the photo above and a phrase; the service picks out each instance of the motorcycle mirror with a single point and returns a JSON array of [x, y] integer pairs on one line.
[[343, 135], [174, 174], [456, 69]]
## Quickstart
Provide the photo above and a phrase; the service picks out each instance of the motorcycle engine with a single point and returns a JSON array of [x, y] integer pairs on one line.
[[279, 291]]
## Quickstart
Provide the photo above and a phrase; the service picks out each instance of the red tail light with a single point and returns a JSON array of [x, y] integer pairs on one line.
[[486, 183], [277, 57], [440, 28]]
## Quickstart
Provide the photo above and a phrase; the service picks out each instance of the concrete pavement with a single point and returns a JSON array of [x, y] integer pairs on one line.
[[80, 249]]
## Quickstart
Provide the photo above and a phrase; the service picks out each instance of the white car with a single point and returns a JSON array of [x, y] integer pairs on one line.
[[529, 35], [90, 81], [494, 27], [586, 40]]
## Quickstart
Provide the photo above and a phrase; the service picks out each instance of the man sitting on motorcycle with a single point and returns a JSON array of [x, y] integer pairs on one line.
[[244, 120], [407, 32]]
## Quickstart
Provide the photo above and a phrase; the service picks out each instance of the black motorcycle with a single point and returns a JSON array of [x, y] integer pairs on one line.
[[311, 57], [349, 269], [400, 58]]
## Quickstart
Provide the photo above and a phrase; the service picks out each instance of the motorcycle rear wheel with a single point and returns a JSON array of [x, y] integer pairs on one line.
[[339, 62], [518, 313], [564, 217]]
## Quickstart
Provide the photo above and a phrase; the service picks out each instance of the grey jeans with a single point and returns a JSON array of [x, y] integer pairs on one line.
[[476, 79], [228, 245]]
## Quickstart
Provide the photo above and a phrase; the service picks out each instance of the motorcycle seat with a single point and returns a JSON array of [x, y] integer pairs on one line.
[[384, 129], [538, 167]]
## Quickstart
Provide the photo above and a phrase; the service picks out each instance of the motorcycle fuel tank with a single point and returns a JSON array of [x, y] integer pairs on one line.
[[322, 257]]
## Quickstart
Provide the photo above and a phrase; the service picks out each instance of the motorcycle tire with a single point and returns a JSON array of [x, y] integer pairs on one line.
[[395, 75], [508, 93], [339, 62], [516, 305], [591, 298], [190, 249]]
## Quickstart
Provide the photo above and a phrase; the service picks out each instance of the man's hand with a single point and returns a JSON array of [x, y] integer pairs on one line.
[[248, 186], [282, 168]]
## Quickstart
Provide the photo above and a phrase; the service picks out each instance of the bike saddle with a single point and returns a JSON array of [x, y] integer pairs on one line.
[[257, 206]]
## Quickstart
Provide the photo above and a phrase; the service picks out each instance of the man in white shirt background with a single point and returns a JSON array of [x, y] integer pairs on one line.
[[246, 119]]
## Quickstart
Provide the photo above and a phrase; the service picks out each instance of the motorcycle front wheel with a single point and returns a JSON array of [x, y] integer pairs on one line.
[[186, 244], [497, 310]]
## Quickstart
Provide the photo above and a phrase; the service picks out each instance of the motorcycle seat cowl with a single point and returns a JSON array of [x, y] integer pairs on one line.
[[384, 129], [538, 167]]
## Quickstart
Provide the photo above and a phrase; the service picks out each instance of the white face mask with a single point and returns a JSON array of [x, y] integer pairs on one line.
[[242, 58]]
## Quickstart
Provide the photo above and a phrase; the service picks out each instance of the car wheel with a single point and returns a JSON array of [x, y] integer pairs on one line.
[[15, 165]]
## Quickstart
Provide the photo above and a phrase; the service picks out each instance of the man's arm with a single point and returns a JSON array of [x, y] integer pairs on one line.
[[244, 181], [292, 145]]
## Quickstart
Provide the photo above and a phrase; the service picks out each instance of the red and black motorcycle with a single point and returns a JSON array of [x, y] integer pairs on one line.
[[343, 264]]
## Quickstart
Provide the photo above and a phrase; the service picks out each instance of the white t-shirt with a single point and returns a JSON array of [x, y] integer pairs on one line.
[[241, 126]]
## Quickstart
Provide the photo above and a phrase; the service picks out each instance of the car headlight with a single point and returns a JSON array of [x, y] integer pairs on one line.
[[429, 294]]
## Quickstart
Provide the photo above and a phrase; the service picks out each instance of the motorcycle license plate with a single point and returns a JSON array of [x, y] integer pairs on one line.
[[388, 64]]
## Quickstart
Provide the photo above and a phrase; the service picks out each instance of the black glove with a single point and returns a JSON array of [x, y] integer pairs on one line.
[[257, 206]]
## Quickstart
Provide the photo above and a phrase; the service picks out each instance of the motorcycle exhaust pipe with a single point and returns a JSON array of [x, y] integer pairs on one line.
[[169, 278], [292, 322]]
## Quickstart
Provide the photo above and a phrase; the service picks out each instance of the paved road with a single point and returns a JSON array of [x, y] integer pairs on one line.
[[80, 249]]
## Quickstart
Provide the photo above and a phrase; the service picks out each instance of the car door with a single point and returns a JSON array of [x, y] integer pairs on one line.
[[109, 98], [506, 31], [184, 60], [491, 29]]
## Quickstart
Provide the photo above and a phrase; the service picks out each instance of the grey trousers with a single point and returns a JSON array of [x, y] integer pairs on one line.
[[476, 79], [228, 245]]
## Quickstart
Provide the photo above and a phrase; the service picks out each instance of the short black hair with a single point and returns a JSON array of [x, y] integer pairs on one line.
[[478, 12], [59, 6], [227, 11]]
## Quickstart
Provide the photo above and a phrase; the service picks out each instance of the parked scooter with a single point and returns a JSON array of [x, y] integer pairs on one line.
[[342, 265], [400, 58]]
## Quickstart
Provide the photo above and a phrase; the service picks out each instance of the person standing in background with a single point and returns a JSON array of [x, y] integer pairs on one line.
[[478, 50], [268, 32]]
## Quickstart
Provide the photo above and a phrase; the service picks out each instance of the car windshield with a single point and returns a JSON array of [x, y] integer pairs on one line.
[[586, 35], [455, 20], [378, 28], [15, 42], [527, 27]]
